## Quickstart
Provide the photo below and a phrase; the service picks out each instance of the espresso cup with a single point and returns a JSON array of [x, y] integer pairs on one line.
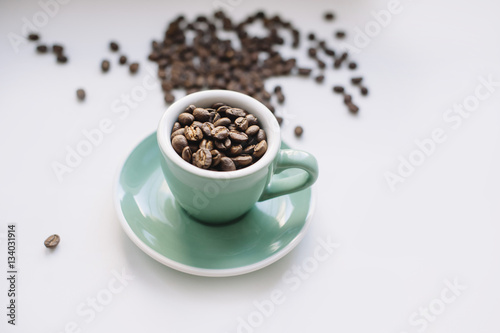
[[217, 197]]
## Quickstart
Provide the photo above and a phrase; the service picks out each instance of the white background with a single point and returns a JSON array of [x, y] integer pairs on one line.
[[396, 247]]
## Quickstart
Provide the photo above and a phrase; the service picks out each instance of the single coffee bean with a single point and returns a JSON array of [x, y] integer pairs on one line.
[[179, 142], [260, 149], [356, 80], [235, 150], [241, 123], [105, 65], [80, 94], [33, 37], [352, 108], [169, 98], [42, 49], [194, 146], [216, 157], [202, 158], [207, 128], [261, 135], [180, 131], [193, 133], [122, 60], [226, 164], [237, 136], [252, 130], [353, 65], [134, 67], [338, 89], [190, 109], [347, 98], [216, 117], [185, 119], [311, 36], [340, 34], [319, 78], [277, 89], [329, 16], [62, 59], [114, 46], [232, 127], [304, 71], [201, 114], [252, 120], [220, 133], [57, 49], [364, 91], [217, 105], [235, 113], [207, 144], [187, 154], [197, 123], [242, 161], [248, 150], [298, 131], [312, 52], [222, 122], [321, 64], [176, 127], [223, 109], [52, 241]]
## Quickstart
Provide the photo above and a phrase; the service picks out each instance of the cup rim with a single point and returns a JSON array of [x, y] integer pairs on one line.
[[235, 99]]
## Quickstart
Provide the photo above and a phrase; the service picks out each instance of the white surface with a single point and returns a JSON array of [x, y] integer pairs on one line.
[[396, 248]]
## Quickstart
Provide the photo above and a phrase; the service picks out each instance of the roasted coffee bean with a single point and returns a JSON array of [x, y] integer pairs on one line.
[[304, 71], [298, 131], [80, 94], [353, 65], [248, 150], [352, 108], [235, 113], [223, 108], [62, 59], [33, 37], [338, 89], [226, 164], [216, 117], [237, 136], [57, 49], [260, 149], [201, 114], [261, 135], [179, 142], [207, 128], [190, 108], [235, 150], [321, 64], [231, 127], [347, 98], [42, 49], [187, 154], [133, 68], [311, 36], [185, 119], [114, 46], [197, 123], [356, 80], [277, 89], [122, 60], [364, 91], [194, 146], [242, 161], [52, 241], [105, 65], [169, 98], [220, 132], [241, 123], [329, 16], [319, 78], [340, 34], [223, 144], [180, 131], [177, 126], [207, 144], [252, 120], [215, 106], [193, 133], [202, 158], [222, 122], [216, 157], [252, 130], [280, 97], [312, 52]]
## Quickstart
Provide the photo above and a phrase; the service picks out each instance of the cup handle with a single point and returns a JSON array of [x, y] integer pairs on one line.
[[287, 159]]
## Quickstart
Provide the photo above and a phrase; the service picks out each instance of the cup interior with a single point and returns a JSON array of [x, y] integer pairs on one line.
[[206, 98]]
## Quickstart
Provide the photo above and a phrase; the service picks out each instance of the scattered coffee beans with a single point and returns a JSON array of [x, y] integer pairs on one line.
[[219, 138], [80, 94], [52, 241]]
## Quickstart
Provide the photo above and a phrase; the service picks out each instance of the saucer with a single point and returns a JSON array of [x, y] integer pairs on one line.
[[155, 222]]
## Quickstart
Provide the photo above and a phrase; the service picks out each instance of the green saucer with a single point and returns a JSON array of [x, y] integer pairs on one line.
[[154, 221]]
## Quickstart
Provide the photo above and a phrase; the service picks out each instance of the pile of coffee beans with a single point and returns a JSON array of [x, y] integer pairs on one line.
[[219, 138]]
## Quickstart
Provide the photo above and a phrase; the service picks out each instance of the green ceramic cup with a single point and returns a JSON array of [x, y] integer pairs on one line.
[[219, 197]]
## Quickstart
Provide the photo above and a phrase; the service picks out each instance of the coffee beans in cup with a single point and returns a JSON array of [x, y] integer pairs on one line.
[[219, 137]]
